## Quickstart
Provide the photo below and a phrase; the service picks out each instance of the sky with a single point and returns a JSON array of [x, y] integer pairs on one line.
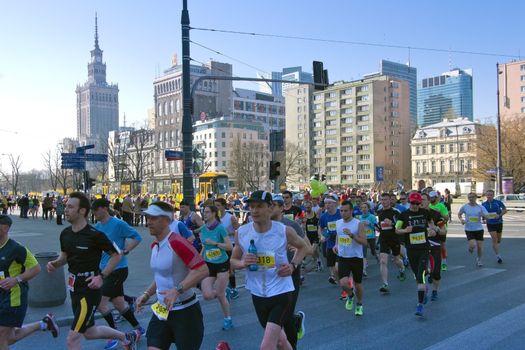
[[45, 50]]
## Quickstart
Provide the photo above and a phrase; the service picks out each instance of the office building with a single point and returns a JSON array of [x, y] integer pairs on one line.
[[290, 73], [512, 89], [97, 103], [266, 108], [361, 133], [448, 95]]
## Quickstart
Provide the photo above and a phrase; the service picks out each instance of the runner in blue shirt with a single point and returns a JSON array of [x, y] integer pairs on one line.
[[328, 233], [496, 210]]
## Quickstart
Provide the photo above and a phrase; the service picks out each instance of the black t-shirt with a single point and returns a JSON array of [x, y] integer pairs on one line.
[[312, 225], [419, 220], [84, 248], [384, 229], [437, 218], [292, 213]]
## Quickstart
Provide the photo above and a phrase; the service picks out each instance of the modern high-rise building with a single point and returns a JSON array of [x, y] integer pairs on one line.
[[290, 73], [512, 89], [97, 102], [361, 133], [408, 73], [266, 108], [448, 95]]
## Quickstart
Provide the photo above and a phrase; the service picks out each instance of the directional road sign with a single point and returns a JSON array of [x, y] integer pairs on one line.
[[96, 157]]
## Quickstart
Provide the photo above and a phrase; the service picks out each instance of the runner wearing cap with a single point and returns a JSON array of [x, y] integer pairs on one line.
[[496, 209], [436, 204], [269, 278], [17, 266], [328, 233], [177, 268], [126, 238], [416, 225]]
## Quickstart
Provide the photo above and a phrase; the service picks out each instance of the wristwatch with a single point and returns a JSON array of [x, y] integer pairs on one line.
[[179, 288], [294, 266], [19, 279]]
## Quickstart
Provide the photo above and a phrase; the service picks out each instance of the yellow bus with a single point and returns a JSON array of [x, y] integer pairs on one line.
[[212, 182]]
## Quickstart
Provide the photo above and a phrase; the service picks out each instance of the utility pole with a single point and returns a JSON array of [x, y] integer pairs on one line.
[[187, 128], [499, 174]]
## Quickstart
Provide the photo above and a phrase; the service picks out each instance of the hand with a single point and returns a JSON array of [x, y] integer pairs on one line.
[[335, 249], [95, 282], [140, 301], [408, 229], [8, 283], [347, 231], [51, 266], [431, 232], [249, 259], [170, 296], [387, 222], [285, 270], [210, 241]]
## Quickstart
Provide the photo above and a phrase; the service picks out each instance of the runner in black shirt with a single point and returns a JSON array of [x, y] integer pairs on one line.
[[81, 248], [414, 224], [388, 241], [290, 211]]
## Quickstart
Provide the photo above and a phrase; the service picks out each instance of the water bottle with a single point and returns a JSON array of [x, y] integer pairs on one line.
[[252, 250]]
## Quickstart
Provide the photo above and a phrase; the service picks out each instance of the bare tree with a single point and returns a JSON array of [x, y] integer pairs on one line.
[[58, 177], [13, 178], [139, 154], [249, 165], [294, 169]]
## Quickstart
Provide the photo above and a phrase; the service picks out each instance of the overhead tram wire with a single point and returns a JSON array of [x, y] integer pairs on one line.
[[362, 43]]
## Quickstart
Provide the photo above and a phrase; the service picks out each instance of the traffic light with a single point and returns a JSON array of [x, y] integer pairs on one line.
[[323, 177], [90, 183], [493, 178], [274, 169], [320, 76]]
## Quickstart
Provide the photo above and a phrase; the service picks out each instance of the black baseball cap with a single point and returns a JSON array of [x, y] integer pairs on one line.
[[260, 196], [98, 203], [5, 220]]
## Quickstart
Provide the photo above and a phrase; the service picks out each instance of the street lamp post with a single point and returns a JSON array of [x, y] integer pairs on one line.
[[498, 137]]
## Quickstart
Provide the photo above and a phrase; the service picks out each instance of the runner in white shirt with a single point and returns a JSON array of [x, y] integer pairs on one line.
[[349, 249], [268, 273], [470, 215]]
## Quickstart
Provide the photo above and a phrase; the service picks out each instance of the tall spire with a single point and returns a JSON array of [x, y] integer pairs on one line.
[[96, 32]]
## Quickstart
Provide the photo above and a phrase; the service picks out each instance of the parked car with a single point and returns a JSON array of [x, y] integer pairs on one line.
[[512, 201]]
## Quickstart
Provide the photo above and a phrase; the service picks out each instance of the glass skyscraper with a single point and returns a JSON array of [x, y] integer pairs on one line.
[[405, 72], [292, 74], [446, 95]]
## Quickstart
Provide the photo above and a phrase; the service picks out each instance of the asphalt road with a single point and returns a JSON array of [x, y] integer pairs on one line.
[[478, 308]]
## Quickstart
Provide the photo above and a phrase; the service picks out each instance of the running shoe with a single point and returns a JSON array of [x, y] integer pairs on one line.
[[444, 267], [359, 310], [111, 344], [227, 324], [349, 305], [132, 338], [434, 295], [234, 294], [301, 330], [384, 288], [51, 325], [405, 261], [331, 280], [479, 263], [500, 261], [419, 310], [344, 295], [365, 275], [141, 330], [401, 276]]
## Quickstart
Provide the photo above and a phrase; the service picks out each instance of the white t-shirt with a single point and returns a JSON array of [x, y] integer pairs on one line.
[[347, 247], [473, 214]]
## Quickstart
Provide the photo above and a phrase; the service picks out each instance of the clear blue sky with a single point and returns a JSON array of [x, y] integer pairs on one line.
[[46, 44]]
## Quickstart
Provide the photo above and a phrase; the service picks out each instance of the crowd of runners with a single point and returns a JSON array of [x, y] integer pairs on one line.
[[276, 238]]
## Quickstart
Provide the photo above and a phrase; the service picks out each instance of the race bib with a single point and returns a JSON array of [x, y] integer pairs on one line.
[[266, 259], [369, 232], [289, 216], [311, 228], [213, 254], [473, 219], [492, 215], [71, 282], [160, 311], [332, 226], [2, 275], [386, 226], [344, 240], [417, 238]]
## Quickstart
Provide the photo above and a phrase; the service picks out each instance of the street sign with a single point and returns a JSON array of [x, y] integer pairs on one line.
[[96, 157], [173, 155], [82, 149], [73, 165], [380, 173]]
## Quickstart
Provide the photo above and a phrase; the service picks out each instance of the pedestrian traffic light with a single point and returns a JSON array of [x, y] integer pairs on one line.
[[274, 169], [320, 76], [323, 177]]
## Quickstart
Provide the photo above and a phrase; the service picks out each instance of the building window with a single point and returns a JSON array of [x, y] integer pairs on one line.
[[418, 150], [433, 149], [522, 67], [348, 91], [425, 167], [450, 147], [363, 128], [418, 168], [462, 166], [451, 166], [433, 167], [523, 89], [442, 167], [442, 148], [423, 149]]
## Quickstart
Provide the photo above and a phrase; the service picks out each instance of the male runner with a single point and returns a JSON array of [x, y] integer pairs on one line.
[[436, 204], [328, 233], [270, 283], [81, 247], [17, 266]]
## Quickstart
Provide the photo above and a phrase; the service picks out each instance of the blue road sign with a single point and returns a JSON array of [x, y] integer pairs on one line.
[[380, 173], [73, 165], [96, 157], [83, 148], [173, 155]]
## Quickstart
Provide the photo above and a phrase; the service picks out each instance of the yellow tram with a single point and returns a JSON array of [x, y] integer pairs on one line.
[[212, 182]]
